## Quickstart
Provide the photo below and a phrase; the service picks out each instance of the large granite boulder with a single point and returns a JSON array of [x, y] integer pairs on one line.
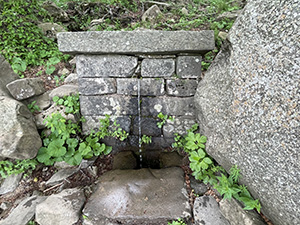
[[248, 105], [7, 75], [19, 138]]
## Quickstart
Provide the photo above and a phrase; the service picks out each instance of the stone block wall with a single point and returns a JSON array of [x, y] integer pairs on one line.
[[165, 80]]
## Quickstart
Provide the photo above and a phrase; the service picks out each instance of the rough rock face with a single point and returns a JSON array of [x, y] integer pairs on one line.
[[248, 105], [25, 88], [19, 138], [138, 197], [7, 75]]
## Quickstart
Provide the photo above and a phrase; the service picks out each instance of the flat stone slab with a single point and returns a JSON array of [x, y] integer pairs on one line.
[[144, 196], [136, 42]]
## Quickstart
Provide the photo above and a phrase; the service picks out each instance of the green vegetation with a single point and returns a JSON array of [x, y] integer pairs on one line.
[[163, 119], [146, 139], [66, 141], [205, 170], [33, 108], [177, 222], [21, 41]]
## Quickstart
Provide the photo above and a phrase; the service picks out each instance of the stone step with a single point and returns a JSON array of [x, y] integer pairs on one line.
[[145, 196]]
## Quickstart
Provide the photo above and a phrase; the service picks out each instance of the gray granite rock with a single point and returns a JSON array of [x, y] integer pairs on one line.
[[248, 106], [178, 125], [181, 87], [97, 86], [63, 208], [7, 75], [207, 212], [148, 86], [198, 187], [151, 14], [144, 196], [236, 215], [24, 212], [158, 67], [71, 79], [64, 90], [19, 138], [61, 175], [172, 106], [110, 105], [188, 66], [25, 88], [106, 65], [136, 42], [51, 29], [42, 101], [10, 183]]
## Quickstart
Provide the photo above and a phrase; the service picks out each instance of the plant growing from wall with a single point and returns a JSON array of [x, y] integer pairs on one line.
[[163, 119], [65, 142], [177, 222], [33, 108], [205, 170]]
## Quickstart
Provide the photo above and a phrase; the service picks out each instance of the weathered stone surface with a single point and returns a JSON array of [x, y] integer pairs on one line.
[[151, 14], [144, 196], [207, 212], [136, 42], [24, 212], [236, 215], [97, 86], [7, 75], [198, 187], [61, 209], [178, 125], [188, 66], [148, 127], [181, 87], [19, 138], [172, 106], [71, 79], [42, 101], [25, 88], [61, 175], [148, 86], [248, 106], [93, 123], [55, 12], [10, 183], [63, 72], [51, 29], [64, 90], [106, 65], [39, 119], [110, 105], [124, 161], [158, 67], [159, 143]]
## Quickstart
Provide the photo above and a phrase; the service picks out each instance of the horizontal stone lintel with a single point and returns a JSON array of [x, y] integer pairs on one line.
[[136, 42]]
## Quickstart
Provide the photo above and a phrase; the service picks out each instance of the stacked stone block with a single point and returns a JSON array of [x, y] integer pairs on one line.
[[108, 85], [108, 82]]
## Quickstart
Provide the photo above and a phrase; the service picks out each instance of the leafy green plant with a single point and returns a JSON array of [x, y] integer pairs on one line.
[[65, 142], [8, 168], [163, 119], [33, 108], [177, 222], [18, 65], [71, 103], [204, 169], [22, 42], [50, 68], [146, 139]]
